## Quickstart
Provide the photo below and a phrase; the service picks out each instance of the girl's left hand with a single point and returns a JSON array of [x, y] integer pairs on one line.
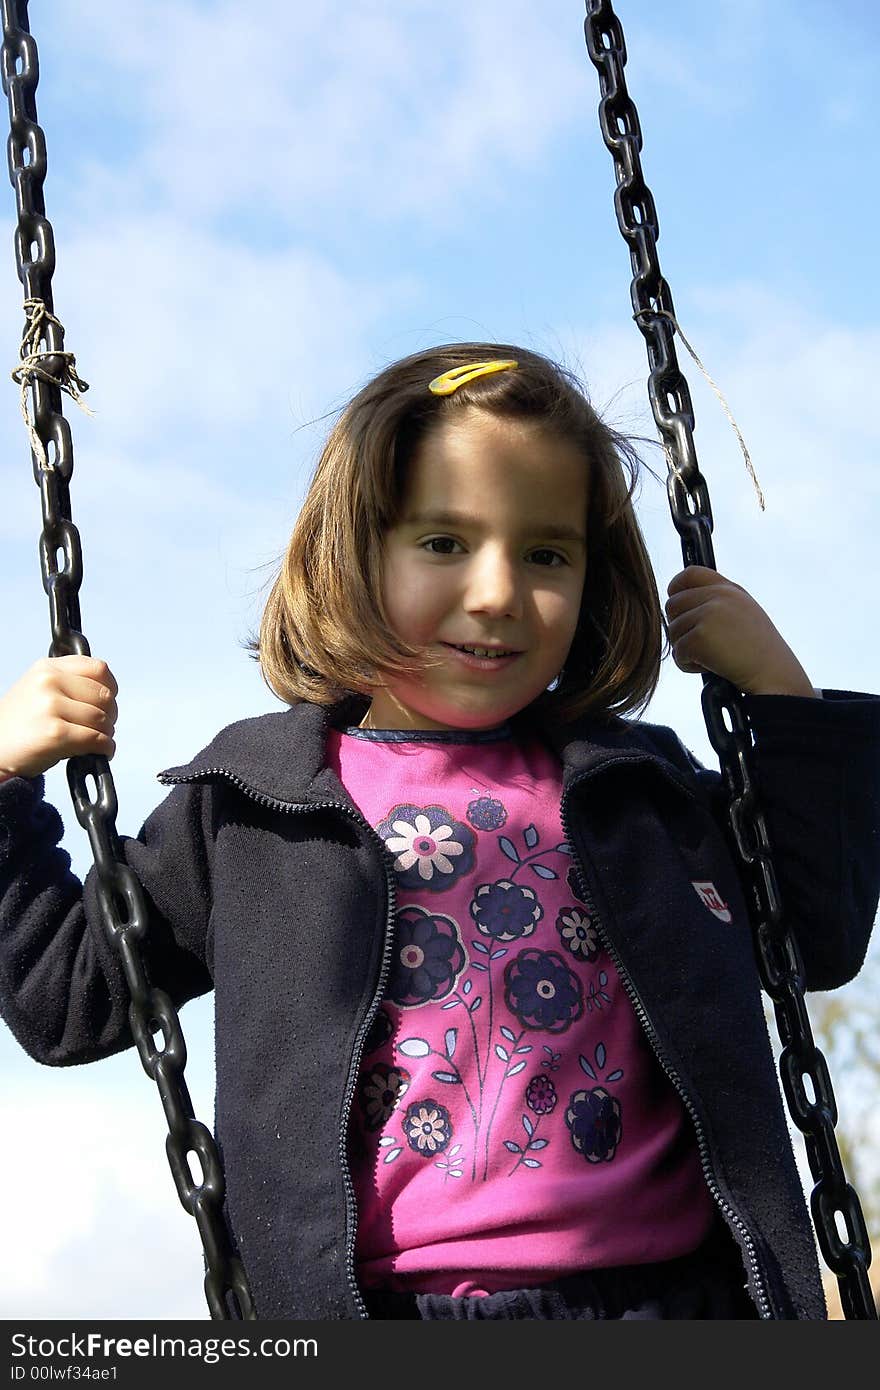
[[715, 625]]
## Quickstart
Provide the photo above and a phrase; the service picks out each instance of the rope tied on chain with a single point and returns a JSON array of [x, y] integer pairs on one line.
[[37, 316], [665, 314]]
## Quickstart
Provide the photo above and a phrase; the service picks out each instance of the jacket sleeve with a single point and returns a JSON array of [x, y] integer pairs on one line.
[[63, 991], [817, 768]]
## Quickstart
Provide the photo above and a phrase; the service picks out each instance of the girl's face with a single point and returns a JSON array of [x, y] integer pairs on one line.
[[490, 550]]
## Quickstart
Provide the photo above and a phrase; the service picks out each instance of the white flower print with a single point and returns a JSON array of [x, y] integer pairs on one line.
[[417, 843], [427, 1127], [578, 933]]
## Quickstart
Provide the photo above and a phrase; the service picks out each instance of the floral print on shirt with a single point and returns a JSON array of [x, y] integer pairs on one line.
[[509, 999], [432, 849], [428, 957]]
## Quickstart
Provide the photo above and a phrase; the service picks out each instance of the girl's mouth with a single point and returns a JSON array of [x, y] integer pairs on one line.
[[482, 663]]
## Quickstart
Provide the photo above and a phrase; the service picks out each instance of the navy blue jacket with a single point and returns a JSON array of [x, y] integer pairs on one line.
[[266, 884]]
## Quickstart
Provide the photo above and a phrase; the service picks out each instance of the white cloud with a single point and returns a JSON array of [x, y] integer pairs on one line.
[[213, 337], [96, 1228], [396, 112]]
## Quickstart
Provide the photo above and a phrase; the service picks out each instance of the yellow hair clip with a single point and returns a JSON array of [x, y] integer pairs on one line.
[[445, 385]]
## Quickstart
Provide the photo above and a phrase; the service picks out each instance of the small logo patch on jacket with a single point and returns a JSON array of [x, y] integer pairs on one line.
[[713, 900]]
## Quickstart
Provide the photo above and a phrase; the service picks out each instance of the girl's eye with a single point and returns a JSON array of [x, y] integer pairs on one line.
[[555, 554], [439, 540], [448, 540]]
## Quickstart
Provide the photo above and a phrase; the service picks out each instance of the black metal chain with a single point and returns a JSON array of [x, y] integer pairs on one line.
[[124, 909], [778, 957]]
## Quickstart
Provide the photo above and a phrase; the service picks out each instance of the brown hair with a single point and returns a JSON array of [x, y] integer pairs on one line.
[[324, 632]]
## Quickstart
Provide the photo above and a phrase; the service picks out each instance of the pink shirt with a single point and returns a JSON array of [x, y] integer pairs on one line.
[[511, 1123]]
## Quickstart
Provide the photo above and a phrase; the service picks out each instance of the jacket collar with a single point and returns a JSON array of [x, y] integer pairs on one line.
[[283, 755]]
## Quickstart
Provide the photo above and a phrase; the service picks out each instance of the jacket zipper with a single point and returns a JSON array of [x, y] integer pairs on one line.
[[728, 1212], [351, 1081]]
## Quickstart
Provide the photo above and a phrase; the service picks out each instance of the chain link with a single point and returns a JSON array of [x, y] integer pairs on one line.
[[778, 957], [123, 906]]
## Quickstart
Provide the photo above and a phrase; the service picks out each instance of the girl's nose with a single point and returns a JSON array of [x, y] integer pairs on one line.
[[493, 585]]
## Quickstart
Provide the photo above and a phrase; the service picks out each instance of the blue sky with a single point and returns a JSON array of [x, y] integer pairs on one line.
[[254, 212]]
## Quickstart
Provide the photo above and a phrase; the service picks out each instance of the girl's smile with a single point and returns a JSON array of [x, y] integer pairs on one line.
[[487, 664], [489, 552]]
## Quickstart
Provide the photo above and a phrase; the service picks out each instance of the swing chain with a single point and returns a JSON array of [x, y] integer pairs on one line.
[[123, 905], [777, 953]]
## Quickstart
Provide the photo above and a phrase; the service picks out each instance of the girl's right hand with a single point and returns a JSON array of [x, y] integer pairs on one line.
[[62, 707]]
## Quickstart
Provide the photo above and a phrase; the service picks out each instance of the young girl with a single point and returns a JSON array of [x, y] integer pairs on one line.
[[489, 1031]]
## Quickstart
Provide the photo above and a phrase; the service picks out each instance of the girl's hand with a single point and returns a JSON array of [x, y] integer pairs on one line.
[[715, 625], [63, 706]]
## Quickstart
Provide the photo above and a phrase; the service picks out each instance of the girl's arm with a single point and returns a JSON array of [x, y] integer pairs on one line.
[[817, 772], [62, 988], [818, 769]]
